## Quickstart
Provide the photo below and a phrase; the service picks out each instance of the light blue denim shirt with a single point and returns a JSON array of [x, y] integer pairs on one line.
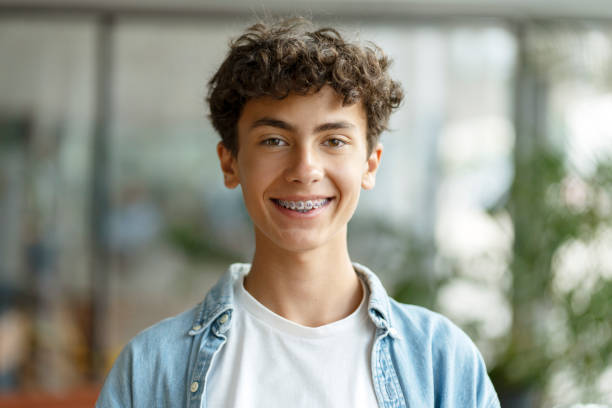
[[419, 358]]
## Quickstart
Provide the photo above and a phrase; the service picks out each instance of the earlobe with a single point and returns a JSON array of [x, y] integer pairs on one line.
[[228, 166], [368, 179]]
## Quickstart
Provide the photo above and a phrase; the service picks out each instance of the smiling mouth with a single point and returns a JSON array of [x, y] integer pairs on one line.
[[302, 206]]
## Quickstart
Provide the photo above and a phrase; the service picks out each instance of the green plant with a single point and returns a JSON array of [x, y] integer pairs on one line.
[[551, 207]]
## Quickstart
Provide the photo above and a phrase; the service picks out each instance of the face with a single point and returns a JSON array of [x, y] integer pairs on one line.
[[301, 164]]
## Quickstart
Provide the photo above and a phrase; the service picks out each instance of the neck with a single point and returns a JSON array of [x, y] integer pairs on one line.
[[312, 288]]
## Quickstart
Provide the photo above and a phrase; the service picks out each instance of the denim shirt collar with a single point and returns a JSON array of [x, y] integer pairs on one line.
[[217, 307]]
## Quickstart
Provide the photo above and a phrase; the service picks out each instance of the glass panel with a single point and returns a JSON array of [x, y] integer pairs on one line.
[[46, 95]]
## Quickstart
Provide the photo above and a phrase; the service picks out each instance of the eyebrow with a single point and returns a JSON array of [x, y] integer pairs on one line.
[[266, 121], [272, 122], [334, 126]]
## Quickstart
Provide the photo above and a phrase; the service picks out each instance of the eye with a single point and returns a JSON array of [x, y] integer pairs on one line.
[[334, 142], [274, 141]]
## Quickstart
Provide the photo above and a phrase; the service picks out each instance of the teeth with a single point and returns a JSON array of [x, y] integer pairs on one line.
[[303, 206]]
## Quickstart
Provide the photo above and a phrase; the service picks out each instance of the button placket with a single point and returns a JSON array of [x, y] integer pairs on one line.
[[206, 352], [385, 377]]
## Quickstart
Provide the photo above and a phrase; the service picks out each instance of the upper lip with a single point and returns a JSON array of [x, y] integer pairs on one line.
[[302, 198]]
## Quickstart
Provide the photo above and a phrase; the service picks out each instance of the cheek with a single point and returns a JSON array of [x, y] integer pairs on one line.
[[256, 175], [349, 180]]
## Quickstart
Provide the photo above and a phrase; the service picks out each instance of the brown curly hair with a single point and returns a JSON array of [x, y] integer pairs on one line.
[[293, 57]]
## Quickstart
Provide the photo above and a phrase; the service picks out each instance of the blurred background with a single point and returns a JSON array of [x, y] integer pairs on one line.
[[493, 203]]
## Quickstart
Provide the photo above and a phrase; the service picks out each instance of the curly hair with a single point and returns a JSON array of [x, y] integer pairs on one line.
[[293, 57]]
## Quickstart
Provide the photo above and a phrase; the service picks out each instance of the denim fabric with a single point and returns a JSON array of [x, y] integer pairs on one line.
[[419, 358]]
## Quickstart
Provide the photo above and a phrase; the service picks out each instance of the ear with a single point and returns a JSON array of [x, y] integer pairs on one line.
[[369, 176], [228, 166]]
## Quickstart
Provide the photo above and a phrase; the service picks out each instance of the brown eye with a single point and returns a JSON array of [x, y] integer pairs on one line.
[[335, 142], [274, 141]]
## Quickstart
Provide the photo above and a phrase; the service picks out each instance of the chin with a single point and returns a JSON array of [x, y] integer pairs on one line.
[[299, 242], [300, 246]]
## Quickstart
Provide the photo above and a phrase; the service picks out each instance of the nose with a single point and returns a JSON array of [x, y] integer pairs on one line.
[[304, 166]]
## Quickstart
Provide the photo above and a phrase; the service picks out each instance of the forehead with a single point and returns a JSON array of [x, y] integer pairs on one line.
[[303, 112]]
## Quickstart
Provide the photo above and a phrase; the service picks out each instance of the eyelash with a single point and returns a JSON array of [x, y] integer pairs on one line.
[[273, 141], [339, 142], [276, 141]]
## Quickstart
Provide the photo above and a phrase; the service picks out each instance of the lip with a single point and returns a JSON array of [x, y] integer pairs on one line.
[[302, 198], [298, 215]]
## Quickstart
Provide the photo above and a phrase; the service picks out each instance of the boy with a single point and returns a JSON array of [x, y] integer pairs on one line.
[[300, 112]]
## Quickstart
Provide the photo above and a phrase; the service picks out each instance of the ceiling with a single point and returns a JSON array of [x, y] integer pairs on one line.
[[600, 10]]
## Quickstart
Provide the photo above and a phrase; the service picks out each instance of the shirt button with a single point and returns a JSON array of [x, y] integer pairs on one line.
[[223, 319], [393, 332], [196, 327], [194, 386]]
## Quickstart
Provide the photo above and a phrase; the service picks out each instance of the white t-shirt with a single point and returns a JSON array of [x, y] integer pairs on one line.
[[269, 361]]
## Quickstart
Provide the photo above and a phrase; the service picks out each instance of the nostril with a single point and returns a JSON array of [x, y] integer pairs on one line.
[[304, 175]]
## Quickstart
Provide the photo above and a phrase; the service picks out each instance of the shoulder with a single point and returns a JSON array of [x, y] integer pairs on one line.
[[169, 332], [446, 353], [433, 335], [436, 330], [153, 361], [163, 348]]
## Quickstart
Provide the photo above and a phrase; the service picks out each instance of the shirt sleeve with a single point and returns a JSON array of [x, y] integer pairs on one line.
[[438, 360], [462, 372], [117, 389]]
